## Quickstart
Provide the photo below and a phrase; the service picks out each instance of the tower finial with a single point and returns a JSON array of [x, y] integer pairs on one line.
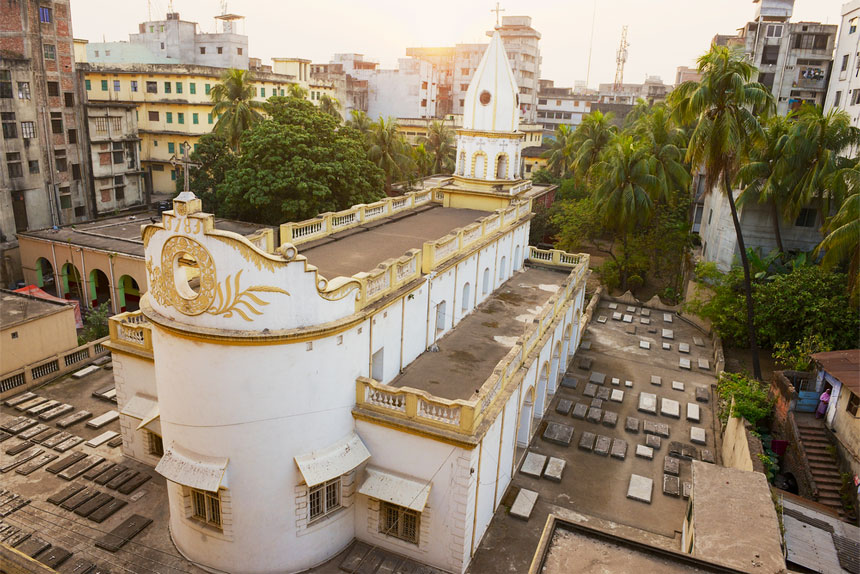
[[497, 10]]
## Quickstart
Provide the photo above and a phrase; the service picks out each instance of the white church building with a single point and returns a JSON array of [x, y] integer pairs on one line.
[[376, 377]]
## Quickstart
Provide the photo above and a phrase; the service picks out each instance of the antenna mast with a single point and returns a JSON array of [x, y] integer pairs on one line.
[[620, 60]]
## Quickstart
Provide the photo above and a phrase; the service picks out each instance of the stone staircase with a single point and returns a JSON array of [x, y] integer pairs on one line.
[[821, 463]]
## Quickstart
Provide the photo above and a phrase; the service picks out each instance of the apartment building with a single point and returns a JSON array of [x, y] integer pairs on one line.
[[559, 106], [843, 92]]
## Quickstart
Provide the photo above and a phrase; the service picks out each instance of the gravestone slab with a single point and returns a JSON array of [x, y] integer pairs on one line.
[[645, 312], [107, 510], [687, 489], [616, 396], [533, 464], [523, 504], [616, 381], [708, 456], [676, 449], [704, 365], [119, 479], [644, 345], [18, 538], [590, 390], [585, 345], [648, 403], [683, 347], [667, 347], [631, 309], [671, 465], [32, 546], [698, 342], [84, 372], [68, 444], [689, 452], [586, 440], [579, 411], [57, 439], [113, 443], [619, 449], [22, 426], [31, 403], [645, 320], [557, 433], [603, 394], [670, 408], [569, 382], [594, 415], [693, 412], [43, 436], [66, 462], [73, 419], [667, 317], [684, 363], [83, 496], [613, 306], [697, 435], [54, 556], [610, 419], [632, 425], [19, 448], [18, 399], [677, 386], [703, 394], [79, 566], [65, 494], [652, 330], [118, 537], [643, 451], [628, 318], [671, 485], [585, 363], [103, 419], [28, 454], [554, 469], [564, 406], [630, 329], [616, 316], [44, 407], [597, 378], [653, 441], [94, 504], [601, 319], [597, 403], [602, 445], [628, 384], [640, 488], [94, 472], [662, 430], [4, 436], [656, 380], [36, 463], [104, 437], [81, 467], [668, 334], [649, 427]]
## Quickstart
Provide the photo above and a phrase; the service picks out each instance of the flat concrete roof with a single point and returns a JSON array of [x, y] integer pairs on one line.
[[16, 308], [734, 519], [468, 354], [363, 248], [122, 234]]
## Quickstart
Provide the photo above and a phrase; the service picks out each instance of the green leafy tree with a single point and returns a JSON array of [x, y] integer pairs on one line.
[[593, 135], [389, 151], [441, 145], [666, 143], [724, 108], [842, 243], [297, 164], [215, 158], [297, 91], [750, 398], [235, 106], [330, 106], [560, 154], [95, 324], [359, 121], [423, 160]]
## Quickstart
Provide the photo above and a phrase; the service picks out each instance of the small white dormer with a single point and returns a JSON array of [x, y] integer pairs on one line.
[[492, 102]]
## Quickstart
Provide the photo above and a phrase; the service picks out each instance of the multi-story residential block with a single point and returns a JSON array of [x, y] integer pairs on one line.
[[350, 91], [844, 90], [43, 179], [686, 74], [793, 58], [114, 162], [443, 60], [651, 90], [172, 106], [560, 106]]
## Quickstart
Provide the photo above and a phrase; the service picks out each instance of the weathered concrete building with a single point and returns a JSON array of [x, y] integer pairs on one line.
[[843, 93], [651, 90], [43, 180], [559, 106]]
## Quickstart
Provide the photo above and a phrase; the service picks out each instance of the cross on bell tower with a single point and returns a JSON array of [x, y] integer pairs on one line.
[[497, 10], [186, 163]]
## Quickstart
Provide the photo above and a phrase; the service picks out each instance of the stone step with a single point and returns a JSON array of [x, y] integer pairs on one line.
[[816, 449], [825, 480], [814, 441], [812, 433], [820, 458]]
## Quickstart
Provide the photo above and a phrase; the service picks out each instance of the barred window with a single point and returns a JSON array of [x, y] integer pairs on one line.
[[50, 52], [23, 90], [156, 445], [101, 125], [399, 522], [323, 499], [206, 507], [5, 84]]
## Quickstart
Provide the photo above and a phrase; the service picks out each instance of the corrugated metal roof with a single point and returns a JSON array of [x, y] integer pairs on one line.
[[843, 365], [395, 489], [813, 539], [334, 460], [139, 406], [189, 468]]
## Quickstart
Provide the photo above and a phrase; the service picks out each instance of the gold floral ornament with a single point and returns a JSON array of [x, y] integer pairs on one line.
[[187, 275], [231, 299]]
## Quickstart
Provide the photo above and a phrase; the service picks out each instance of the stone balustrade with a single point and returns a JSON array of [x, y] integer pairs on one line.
[[131, 331], [388, 276], [51, 368]]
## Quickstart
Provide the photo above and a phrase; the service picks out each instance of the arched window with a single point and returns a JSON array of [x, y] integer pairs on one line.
[[467, 297], [517, 259], [461, 164], [502, 268], [479, 163], [502, 166], [486, 288]]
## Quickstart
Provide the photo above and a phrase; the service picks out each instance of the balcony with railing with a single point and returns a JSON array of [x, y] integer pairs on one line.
[[131, 332]]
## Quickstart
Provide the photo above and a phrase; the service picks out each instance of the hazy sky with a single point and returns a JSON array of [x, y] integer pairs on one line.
[[663, 34]]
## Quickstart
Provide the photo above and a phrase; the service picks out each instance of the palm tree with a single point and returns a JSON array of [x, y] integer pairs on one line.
[[589, 140], [389, 151], [666, 143], [330, 106], [843, 229], [815, 147], [624, 195], [723, 108], [424, 160], [235, 106], [764, 178], [560, 153], [440, 143], [360, 121], [296, 91]]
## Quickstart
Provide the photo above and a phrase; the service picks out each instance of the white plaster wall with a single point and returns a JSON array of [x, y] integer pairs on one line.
[[465, 274], [503, 251], [491, 147], [486, 485], [509, 443], [133, 375], [415, 332], [385, 334], [441, 289]]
